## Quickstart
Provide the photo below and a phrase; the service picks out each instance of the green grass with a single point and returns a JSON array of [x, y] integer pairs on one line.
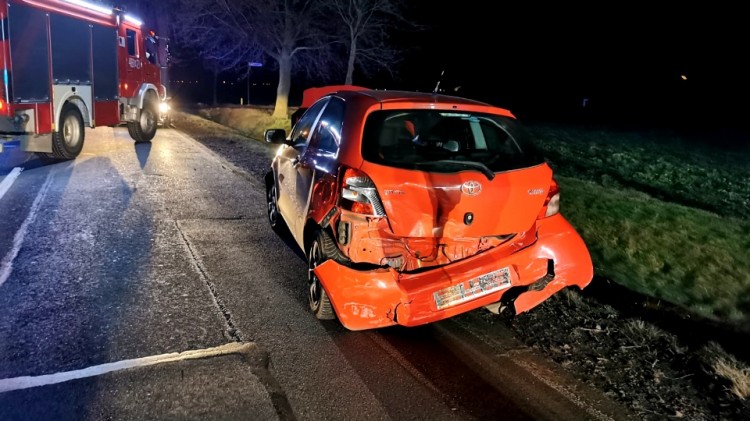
[[667, 166], [251, 121], [683, 255]]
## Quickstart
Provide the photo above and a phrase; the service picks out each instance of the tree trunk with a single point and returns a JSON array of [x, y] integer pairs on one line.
[[350, 64], [282, 91]]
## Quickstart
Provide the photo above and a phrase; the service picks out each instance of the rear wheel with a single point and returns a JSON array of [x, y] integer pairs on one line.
[[67, 141], [321, 249], [144, 128]]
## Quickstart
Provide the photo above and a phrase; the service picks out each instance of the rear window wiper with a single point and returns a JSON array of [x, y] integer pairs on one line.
[[471, 164]]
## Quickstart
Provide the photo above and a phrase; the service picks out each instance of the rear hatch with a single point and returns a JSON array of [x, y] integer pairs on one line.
[[454, 174]]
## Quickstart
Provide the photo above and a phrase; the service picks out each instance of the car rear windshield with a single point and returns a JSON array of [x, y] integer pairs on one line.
[[445, 141]]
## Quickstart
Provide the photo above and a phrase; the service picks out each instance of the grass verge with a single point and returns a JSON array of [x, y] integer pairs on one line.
[[698, 173], [683, 255], [250, 121]]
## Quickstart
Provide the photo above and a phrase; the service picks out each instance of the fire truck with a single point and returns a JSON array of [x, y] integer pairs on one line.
[[71, 64]]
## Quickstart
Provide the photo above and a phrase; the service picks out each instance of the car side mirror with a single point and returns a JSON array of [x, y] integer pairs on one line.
[[275, 135]]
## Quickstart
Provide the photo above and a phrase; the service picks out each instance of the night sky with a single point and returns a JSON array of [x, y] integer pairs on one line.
[[627, 60], [541, 61]]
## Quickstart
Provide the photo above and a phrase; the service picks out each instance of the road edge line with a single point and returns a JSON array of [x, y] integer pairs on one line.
[[26, 382], [6, 265], [8, 180]]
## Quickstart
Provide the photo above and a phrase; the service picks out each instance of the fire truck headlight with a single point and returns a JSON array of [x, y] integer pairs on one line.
[[163, 107]]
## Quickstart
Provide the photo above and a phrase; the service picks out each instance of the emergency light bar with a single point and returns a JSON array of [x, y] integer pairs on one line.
[[133, 20], [94, 7]]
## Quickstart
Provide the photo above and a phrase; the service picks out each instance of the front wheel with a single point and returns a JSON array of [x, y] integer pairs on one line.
[[144, 129], [67, 141], [272, 207], [320, 251]]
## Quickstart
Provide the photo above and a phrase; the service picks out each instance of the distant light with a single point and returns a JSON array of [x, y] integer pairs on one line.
[[133, 20], [90, 6], [255, 64], [683, 77]]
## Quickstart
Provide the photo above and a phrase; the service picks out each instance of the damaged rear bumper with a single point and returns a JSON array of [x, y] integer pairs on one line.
[[384, 297]]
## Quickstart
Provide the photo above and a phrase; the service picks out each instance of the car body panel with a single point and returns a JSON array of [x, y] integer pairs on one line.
[[425, 204], [385, 297]]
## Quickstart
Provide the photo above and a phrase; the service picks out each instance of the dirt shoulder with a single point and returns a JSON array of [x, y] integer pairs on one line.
[[646, 355]]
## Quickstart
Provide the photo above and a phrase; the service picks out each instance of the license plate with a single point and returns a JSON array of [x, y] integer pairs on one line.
[[475, 288]]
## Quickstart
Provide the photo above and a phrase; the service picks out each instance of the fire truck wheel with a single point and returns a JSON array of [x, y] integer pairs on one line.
[[67, 141], [144, 129]]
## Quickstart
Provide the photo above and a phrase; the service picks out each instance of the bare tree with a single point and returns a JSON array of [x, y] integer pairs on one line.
[[234, 32], [208, 29], [366, 28]]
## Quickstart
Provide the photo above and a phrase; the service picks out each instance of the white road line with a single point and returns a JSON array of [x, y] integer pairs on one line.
[[8, 180], [17, 383], [6, 265]]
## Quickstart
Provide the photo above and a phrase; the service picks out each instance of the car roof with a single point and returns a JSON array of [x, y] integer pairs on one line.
[[370, 97], [310, 95], [408, 96]]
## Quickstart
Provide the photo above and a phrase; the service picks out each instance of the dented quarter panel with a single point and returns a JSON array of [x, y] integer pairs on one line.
[[322, 196]]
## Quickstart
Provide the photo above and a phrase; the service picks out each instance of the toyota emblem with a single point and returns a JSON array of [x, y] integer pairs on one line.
[[471, 188]]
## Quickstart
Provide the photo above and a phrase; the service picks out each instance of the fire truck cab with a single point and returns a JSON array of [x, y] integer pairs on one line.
[[70, 64]]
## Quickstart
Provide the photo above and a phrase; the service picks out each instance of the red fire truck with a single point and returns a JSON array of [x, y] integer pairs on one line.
[[70, 63]]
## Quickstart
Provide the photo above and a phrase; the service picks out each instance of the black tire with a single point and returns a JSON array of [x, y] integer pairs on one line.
[[272, 210], [144, 129], [321, 249], [67, 141], [131, 132]]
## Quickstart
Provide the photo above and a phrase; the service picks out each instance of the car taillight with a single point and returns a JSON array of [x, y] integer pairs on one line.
[[358, 193], [552, 202]]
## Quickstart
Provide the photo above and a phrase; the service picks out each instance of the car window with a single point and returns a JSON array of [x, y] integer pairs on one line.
[[442, 141], [301, 132], [327, 134]]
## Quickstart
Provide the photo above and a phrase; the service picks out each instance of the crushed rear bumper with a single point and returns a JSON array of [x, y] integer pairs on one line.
[[384, 297]]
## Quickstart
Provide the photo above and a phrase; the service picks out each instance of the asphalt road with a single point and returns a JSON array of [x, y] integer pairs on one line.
[[136, 251]]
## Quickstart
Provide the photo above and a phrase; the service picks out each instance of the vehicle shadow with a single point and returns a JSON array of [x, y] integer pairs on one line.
[[12, 156], [282, 231], [142, 152], [434, 366]]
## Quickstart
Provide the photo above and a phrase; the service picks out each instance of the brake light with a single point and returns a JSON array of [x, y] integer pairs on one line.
[[364, 208], [358, 193], [552, 202]]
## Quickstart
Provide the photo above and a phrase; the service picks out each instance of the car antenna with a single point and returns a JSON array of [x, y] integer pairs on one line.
[[438, 82]]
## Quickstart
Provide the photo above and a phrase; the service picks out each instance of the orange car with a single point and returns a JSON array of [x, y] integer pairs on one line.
[[415, 207]]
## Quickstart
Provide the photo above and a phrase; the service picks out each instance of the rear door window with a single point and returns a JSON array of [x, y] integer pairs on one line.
[[301, 132], [327, 135]]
